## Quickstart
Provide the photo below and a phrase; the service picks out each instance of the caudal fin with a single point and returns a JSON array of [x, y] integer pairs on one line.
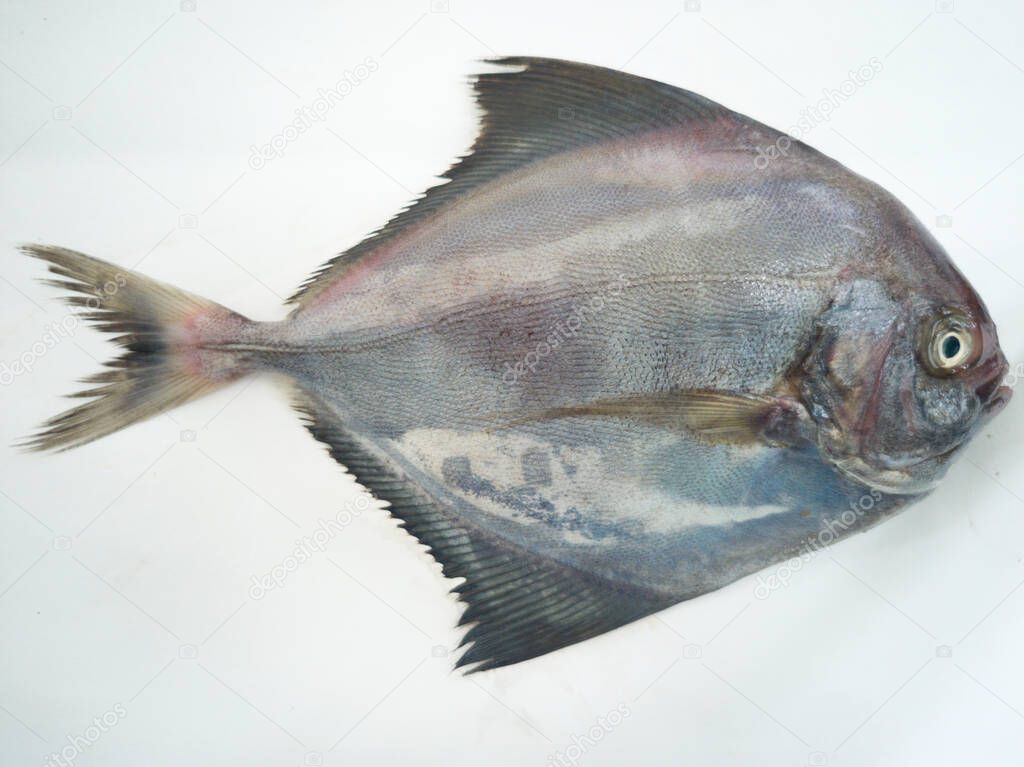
[[171, 341]]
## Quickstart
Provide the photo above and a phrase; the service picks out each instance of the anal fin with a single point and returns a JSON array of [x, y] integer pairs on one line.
[[519, 605]]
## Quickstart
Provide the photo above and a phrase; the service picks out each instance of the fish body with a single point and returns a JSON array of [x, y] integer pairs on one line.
[[614, 363]]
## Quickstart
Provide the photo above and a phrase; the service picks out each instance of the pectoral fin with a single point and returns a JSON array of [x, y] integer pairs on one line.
[[714, 416]]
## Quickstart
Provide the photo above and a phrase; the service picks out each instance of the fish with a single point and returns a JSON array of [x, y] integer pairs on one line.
[[620, 357]]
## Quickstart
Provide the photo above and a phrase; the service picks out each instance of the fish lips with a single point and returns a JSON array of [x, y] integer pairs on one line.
[[992, 392], [999, 400]]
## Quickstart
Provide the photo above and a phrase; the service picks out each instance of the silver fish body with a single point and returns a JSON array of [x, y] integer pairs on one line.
[[616, 362]]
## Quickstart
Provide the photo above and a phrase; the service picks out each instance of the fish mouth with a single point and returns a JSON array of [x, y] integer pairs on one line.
[[993, 394], [996, 401]]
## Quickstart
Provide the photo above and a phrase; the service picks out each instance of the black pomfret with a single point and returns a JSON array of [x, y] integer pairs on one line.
[[615, 362]]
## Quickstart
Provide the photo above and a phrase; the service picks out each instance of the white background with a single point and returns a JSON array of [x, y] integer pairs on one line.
[[125, 567]]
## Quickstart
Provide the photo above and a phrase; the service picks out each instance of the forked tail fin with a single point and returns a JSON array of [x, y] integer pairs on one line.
[[171, 340]]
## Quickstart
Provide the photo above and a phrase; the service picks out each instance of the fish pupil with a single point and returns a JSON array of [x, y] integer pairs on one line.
[[950, 347]]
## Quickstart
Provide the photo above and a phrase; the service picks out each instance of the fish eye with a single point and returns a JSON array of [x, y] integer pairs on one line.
[[951, 347], [949, 344]]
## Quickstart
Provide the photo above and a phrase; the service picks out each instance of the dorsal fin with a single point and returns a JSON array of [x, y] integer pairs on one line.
[[519, 605], [543, 107]]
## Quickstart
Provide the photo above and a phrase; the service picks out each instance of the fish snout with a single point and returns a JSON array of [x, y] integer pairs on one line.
[[991, 392], [997, 400]]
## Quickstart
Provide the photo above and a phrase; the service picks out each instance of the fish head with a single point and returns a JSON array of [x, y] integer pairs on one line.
[[900, 379]]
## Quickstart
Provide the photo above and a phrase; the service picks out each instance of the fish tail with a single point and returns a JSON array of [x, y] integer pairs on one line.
[[172, 341]]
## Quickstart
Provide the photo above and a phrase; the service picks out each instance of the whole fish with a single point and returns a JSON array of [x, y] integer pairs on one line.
[[619, 359]]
